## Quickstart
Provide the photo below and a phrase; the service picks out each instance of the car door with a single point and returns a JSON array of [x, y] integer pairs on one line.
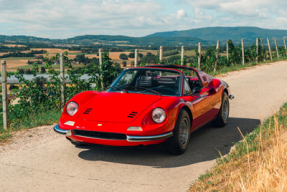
[[199, 102]]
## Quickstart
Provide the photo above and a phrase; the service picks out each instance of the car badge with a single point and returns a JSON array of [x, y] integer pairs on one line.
[[100, 125]]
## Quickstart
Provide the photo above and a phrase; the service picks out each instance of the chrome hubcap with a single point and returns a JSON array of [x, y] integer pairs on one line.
[[225, 110], [183, 132]]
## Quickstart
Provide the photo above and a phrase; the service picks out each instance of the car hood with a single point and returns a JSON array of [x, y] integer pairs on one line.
[[117, 107]]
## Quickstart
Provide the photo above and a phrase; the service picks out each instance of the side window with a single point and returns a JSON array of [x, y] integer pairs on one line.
[[186, 90]]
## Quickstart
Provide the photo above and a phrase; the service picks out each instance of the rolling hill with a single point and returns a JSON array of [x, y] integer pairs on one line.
[[225, 33]]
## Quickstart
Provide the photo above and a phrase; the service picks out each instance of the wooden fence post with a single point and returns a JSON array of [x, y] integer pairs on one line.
[[4, 95], [243, 58], [101, 63], [285, 44], [275, 40], [270, 52], [182, 55], [62, 79], [160, 54], [217, 52], [227, 51], [257, 44], [199, 55], [136, 57], [262, 48]]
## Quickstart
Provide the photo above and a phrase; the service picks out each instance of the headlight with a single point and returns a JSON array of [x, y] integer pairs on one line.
[[158, 115], [72, 108]]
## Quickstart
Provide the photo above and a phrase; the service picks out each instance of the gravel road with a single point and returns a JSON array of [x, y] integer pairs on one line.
[[41, 160]]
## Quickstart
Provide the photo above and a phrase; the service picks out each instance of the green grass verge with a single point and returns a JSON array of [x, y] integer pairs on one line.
[[34, 120]]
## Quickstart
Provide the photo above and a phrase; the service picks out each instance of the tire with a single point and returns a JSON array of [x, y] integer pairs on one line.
[[223, 114], [178, 143]]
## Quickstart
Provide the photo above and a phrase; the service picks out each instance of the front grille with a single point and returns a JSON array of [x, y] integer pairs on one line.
[[132, 114], [99, 135]]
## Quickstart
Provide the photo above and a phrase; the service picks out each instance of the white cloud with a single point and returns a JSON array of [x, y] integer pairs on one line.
[[68, 18], [180, 14]]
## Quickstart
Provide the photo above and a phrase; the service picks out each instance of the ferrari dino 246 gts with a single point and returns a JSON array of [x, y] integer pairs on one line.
[[147, 105]]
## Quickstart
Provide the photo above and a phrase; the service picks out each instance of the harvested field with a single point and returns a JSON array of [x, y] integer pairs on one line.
[[12, 65], [144, 52], [55, 50], [116, 55], [13, 45]]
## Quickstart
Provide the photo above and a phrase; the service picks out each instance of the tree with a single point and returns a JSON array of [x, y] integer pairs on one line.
[[80, 58], [43, 70], [118, 67], [123, 56], [132, 55], [40, 81], [21, 71], [28, 71], [140, 55], [124, 63], [12, 86]]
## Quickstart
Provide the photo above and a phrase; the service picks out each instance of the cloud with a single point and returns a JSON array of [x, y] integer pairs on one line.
[[68, 18], [180, 14]]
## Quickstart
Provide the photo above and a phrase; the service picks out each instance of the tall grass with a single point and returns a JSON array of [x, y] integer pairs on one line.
[[34, 120], [258, 163]]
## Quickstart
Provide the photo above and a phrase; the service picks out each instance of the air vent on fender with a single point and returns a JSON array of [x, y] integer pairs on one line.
[[132, 114], [88, 110]]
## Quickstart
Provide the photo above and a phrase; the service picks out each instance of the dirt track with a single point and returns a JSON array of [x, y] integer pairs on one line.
[[53, 164]]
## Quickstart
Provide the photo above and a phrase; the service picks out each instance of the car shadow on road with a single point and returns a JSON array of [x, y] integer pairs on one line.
[[203, 146]]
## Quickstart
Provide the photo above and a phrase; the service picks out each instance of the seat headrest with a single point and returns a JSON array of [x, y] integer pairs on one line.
[[144, 81]]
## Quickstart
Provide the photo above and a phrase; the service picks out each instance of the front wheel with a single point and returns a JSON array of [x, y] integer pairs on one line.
[[222, 117], [177, 144]]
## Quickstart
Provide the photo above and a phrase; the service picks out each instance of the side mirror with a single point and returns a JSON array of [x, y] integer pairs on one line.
[[196, 90]]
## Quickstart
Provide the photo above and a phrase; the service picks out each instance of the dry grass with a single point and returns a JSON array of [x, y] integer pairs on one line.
[[260, 169]]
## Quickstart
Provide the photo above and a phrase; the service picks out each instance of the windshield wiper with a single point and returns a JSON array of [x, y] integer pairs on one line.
[[156, 92], [117, 88]]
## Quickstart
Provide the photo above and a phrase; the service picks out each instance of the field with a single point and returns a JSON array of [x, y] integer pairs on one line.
[[20, 62], [14, 62], [13, 45]]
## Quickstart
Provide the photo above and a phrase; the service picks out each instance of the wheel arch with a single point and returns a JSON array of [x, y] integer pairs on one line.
[[187, 109]]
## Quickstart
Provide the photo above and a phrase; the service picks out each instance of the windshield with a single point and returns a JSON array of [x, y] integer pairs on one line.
[[148, 81]]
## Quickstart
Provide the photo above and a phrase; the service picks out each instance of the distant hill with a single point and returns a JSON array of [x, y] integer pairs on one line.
[[108, 40], [225, 33], [207, 36]]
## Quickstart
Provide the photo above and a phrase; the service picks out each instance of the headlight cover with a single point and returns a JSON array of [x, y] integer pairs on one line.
[[158, 115], [72, 108]]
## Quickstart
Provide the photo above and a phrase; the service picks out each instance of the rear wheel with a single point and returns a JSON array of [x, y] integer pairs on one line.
[[222, 117], [177, 144]]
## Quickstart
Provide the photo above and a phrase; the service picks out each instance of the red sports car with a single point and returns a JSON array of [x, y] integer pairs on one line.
[[147, 105]]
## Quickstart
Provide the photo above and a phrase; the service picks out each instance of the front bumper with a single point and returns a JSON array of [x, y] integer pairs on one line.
[[129, 138]]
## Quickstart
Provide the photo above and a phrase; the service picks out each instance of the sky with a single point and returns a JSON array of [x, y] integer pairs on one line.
[[68, 18]]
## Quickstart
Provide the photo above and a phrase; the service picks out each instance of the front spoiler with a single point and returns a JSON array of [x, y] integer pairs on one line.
[[129, 138]]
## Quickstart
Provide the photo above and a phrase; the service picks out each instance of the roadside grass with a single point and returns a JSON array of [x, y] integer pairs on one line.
[[258, 162], [34, 120]]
